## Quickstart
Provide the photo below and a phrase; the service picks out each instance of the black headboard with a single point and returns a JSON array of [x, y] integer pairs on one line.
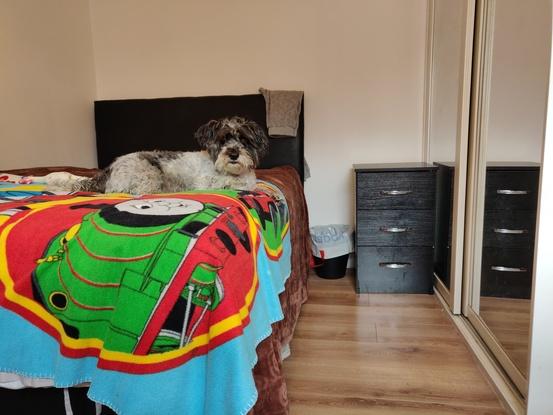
[[127, 125]]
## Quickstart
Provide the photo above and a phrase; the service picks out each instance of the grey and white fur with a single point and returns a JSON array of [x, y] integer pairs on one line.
[[231, 148]]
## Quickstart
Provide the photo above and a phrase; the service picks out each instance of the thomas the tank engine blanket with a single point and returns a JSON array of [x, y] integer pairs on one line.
[[157, 302]]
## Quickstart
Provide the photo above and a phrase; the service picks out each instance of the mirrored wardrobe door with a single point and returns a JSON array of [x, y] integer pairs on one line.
[[508, 120], [449, 61]]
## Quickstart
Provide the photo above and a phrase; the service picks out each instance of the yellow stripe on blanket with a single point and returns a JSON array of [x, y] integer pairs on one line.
[[24, 188]]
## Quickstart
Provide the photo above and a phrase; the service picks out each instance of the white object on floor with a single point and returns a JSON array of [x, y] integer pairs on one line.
[[285, 351]]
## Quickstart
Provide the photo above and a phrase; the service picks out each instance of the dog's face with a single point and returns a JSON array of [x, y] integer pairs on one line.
[[235, 145]]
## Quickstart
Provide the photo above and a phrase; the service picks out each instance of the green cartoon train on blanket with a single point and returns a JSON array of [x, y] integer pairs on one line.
[[106, 277], [128, 273]]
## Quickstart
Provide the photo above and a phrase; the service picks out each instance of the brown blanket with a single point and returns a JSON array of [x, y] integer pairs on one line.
[[269, 378], [268, 375]]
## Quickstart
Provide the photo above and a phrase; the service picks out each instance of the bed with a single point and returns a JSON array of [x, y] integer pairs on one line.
[[226, 357]]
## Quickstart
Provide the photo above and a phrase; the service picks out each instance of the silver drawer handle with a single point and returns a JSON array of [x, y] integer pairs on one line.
[[510, 231], [394, 265], [395, 192], [393, 229], [511, 192], [507, 269]]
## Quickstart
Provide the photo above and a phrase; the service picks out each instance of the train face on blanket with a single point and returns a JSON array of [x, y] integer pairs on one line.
[[231, 150]]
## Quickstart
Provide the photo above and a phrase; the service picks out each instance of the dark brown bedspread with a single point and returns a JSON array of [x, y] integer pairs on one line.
[[268, 375], [269, 378]]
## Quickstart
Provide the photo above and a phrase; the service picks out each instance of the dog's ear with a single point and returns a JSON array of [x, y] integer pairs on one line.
[[206, 133], [257, 137]]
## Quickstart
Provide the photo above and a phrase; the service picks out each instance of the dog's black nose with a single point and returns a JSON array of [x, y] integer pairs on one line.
[[233, 153]]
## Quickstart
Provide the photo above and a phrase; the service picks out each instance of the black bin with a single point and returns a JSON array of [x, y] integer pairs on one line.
[[331, 268]]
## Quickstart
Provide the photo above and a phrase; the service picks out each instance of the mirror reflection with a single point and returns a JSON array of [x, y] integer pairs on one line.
[[516, 56], [448, 36]]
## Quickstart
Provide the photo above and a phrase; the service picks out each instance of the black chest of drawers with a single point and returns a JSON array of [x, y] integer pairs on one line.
[[394, 227], [509, 229]]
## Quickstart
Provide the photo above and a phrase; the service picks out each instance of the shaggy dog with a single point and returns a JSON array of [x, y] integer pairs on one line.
[[231, 150]]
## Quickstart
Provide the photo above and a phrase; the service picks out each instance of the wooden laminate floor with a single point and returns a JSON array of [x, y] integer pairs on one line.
[[509, 320], [381, 354]]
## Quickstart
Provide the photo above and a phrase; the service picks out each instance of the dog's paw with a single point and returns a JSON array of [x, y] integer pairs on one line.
[[61, 181]]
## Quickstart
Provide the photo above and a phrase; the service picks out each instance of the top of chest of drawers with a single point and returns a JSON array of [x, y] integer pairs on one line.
[[395, 186]]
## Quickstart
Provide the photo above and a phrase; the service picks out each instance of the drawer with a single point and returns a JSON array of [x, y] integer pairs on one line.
[[509, 228], [395, 227], [506, 272], [396, 190], [512, 189], [394, 270]]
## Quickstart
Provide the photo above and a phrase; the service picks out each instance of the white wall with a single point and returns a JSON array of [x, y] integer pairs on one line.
[[47, 84], [360, 63], [519, 76]]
